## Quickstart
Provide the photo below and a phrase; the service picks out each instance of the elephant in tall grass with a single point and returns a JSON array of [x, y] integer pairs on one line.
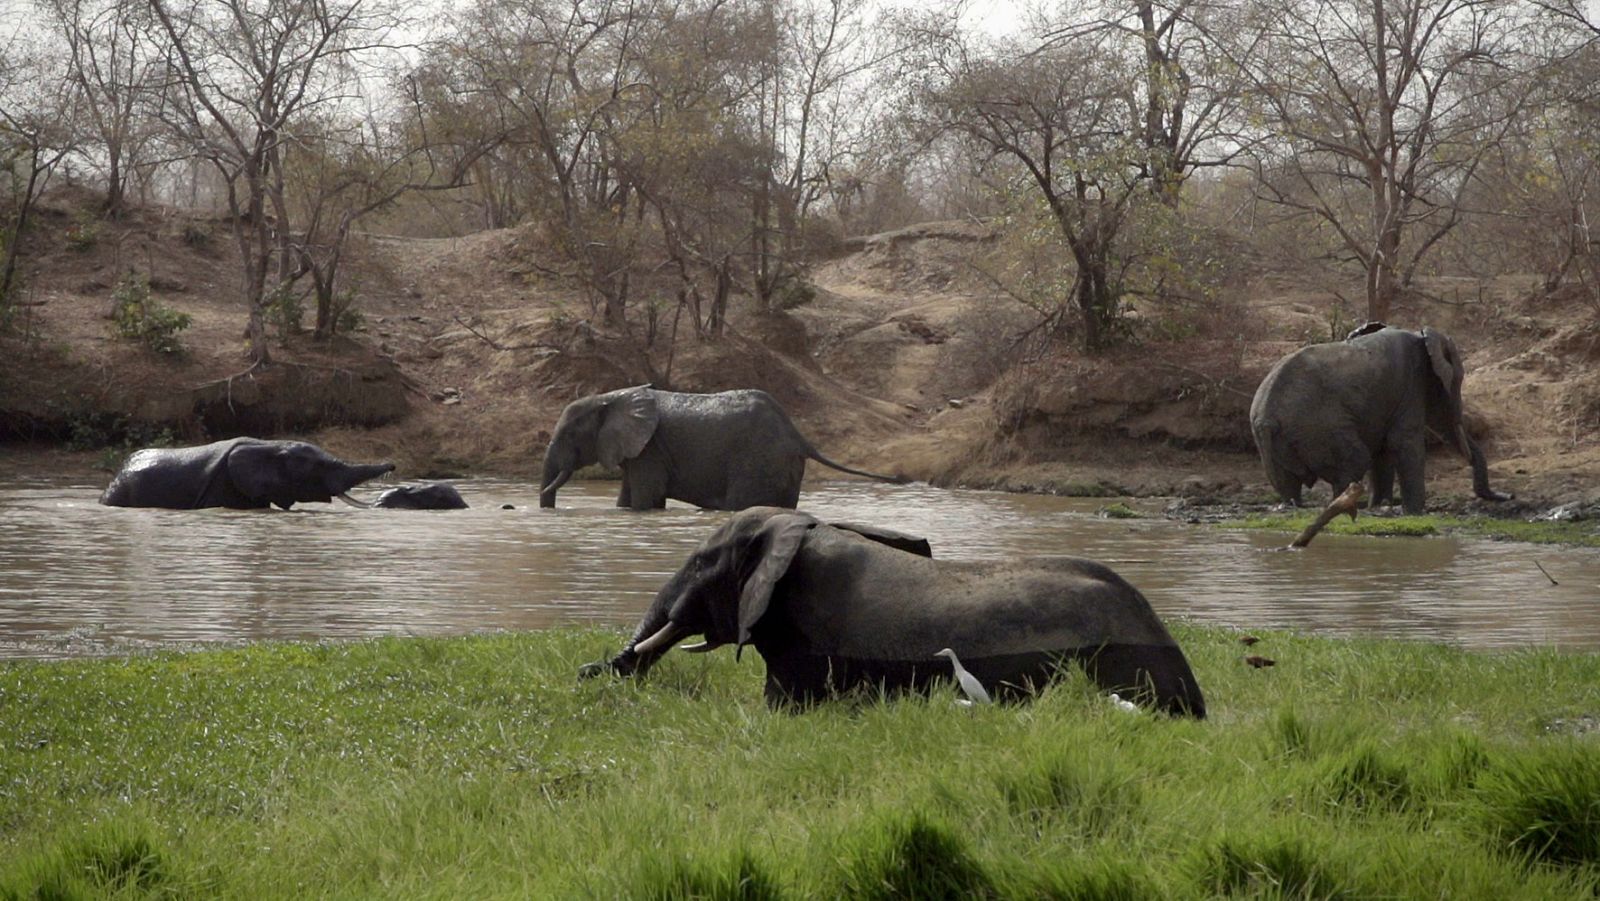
[[1335, 412], [833, 607], [723, 451]]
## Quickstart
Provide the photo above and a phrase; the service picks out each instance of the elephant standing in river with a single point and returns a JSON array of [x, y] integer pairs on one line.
[[1336, 411], [724, 451], [831, 607], [242, 473], [430, 496]]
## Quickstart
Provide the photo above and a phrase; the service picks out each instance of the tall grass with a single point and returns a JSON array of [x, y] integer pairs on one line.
[[480, 766]]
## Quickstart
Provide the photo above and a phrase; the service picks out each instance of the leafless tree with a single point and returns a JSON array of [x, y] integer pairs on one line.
[[38, 129], [244, 73], [114, 65], [1377, 115]]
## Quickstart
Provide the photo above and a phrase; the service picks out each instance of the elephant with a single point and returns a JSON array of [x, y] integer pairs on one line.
[[242, 473], [1338, 411], [833, 607], [723, 451], [430, 496]]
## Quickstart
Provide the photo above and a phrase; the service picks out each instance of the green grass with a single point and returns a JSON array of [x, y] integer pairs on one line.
[[480, 767], [1581, 534]]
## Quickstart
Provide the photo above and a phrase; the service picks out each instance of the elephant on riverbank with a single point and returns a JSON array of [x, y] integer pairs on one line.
[[1335, 412], [242, 473], [429, 496], [832, 607], [724, 451]]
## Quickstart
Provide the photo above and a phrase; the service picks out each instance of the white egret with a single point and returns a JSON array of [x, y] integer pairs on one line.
[[968, 682]]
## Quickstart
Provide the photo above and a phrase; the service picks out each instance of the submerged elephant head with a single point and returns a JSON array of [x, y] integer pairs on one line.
[[431, 496], [604, 428]]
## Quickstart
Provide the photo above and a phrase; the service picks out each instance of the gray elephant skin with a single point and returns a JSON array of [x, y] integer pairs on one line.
[[723, 451], [242, 473], [429, 496], [1336, 412], [835, 607]]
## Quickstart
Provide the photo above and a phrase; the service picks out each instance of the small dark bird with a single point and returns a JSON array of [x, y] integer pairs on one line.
[[1248, 639], [1258, 661]]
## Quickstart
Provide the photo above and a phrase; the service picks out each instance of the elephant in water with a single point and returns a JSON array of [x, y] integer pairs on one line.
[[1337, 411], [431, 496], [724, 451], [242, 473], [831, 607]]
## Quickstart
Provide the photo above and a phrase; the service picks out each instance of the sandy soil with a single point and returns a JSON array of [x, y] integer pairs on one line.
[[905, 362]]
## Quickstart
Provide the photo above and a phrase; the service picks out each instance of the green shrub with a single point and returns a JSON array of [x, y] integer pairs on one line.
[[285, 311], [83, 234], [144, 319]]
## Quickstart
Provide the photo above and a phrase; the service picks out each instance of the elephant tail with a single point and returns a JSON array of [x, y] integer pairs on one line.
[[816, 455]]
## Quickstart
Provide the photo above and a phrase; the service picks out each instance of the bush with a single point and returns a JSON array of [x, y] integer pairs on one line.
[[83, 234], [139, 316], [285, 312]]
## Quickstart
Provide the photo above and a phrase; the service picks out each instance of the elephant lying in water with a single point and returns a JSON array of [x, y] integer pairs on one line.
[[831, 607], [242, 473], [723, 451]]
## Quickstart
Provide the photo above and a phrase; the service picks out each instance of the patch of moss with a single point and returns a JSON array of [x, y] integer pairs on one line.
[[1118, 510]]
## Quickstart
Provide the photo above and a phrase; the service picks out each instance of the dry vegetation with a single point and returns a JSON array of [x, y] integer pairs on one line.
[[906, 359]]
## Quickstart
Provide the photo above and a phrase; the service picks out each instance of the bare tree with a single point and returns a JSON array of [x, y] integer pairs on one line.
[[114, 65], [38, 129], [1378, 114], [245, 71]]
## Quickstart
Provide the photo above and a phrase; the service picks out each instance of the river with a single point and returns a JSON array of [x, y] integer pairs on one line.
[[80, 579]]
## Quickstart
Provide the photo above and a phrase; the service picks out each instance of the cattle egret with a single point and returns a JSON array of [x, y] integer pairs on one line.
[[969, 683]]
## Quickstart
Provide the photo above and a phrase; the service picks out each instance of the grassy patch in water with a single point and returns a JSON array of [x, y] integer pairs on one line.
[[1580, 534], [468, 767]]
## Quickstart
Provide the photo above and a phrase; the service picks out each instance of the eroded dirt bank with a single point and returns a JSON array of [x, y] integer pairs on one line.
[[904, 361]]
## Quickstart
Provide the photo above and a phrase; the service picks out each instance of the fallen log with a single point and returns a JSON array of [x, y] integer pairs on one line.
[[1348, 501]]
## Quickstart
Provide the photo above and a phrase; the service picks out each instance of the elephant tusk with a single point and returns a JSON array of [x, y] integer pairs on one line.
[[665, 637], [701, 647], [345, 496]]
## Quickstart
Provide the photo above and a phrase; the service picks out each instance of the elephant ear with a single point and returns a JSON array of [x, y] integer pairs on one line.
[[777, 541], [900, 541], [630, 419], [1445, 358], [256, 470]]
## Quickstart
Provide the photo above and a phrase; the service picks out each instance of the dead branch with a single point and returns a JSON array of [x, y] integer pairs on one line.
[[1348, 501], [535, 345]]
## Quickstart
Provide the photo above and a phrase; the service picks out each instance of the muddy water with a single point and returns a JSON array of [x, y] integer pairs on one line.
[[77, 578]]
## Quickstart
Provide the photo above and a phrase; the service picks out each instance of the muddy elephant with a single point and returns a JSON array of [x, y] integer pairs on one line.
[[724, 451], [429, 496], [1336, 412], [834, 607], [242, 473]]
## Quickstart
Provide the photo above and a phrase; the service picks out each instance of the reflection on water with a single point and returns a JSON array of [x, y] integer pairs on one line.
[[78, 578]]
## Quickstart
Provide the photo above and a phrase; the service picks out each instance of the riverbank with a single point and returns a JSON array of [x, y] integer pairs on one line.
[[478, 766]]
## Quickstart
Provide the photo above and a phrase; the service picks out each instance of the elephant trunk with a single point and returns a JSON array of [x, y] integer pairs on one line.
[[657, 625], [356, 473], [557, 470], [1480, 468]]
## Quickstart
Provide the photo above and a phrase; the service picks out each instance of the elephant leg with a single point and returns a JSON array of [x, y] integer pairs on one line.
[[1409, 463], [646, 485], [1382, 481], [1351, 460], [1286, 484], [625, 493]]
